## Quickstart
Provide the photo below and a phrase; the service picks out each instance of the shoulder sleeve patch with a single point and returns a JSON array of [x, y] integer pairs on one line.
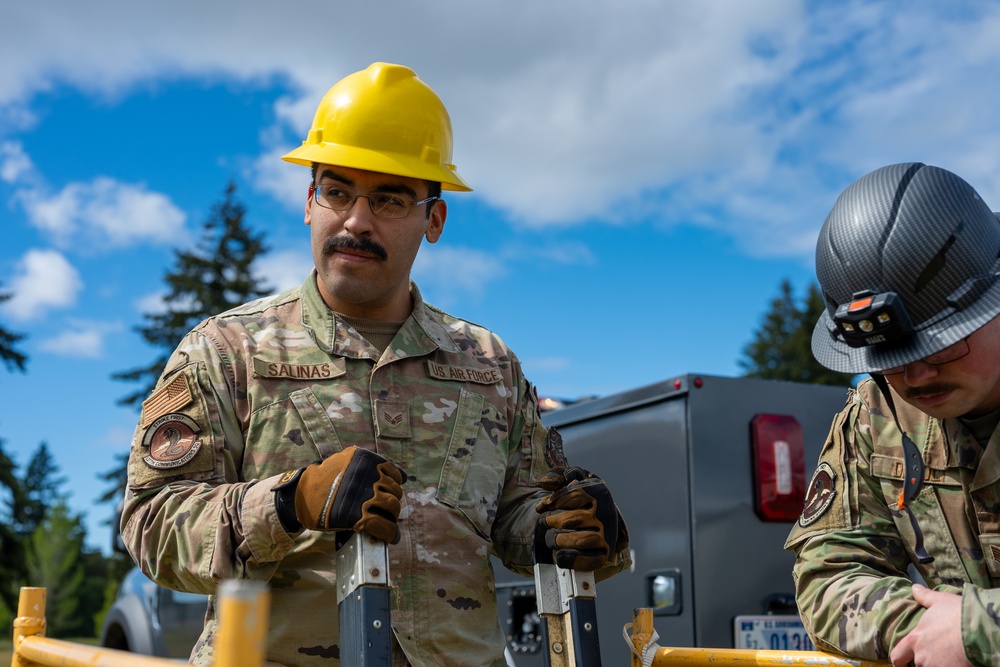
[[819, 497], [554, 455], [171, 441], [174, 439], [172, 396], [827, 505]]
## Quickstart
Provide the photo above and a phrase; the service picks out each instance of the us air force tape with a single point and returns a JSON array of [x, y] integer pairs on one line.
[[171, 440]]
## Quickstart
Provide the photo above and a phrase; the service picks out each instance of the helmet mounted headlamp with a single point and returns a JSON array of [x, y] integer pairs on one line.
[[871, 318]]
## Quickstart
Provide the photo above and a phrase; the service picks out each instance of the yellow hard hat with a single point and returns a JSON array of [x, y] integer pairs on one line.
[[382, 119]]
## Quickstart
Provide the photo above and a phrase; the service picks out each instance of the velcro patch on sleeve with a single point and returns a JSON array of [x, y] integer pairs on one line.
[[822, 491], [171, 397], [172, 441], [554, 455], [827, 505], [463, 373], [178, 443]]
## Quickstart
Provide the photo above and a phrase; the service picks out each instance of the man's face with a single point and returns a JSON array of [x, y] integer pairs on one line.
[[362, 260], [969, 386]]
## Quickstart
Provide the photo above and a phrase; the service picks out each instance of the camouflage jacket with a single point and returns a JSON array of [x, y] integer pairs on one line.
[[854, 545], [282, 382]]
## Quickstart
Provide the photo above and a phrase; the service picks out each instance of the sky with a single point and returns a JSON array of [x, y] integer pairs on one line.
[[645, 173]]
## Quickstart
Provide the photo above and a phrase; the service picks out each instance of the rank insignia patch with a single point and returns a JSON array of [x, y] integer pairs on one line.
[[392, 419], [820, 495], [172, 441]]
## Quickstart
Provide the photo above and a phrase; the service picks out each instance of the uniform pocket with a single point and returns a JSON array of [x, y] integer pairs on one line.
[[928, 512], [474, 469], [288, 434]]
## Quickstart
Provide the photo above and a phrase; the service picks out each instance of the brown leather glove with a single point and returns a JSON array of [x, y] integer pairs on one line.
[[355, 489], [579, 521]]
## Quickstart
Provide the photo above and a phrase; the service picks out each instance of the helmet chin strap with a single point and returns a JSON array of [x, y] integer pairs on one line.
[[913, 474]]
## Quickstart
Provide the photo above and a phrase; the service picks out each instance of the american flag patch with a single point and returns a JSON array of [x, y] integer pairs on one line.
[[170, 397]]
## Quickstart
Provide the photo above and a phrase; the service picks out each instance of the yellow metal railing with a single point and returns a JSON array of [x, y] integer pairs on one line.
[[646, 653], [241, 641]]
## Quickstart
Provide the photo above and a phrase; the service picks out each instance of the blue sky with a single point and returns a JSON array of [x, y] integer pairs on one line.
[[645, 172]]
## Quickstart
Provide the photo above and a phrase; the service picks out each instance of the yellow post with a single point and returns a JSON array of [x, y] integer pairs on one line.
[[243, 613], [30, 619], [642, 631]]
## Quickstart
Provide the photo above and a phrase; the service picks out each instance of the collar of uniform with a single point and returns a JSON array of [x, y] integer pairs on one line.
[[422, 332], [988, 468], [331, 334], [948, 443], [935, 439], [430, 323]]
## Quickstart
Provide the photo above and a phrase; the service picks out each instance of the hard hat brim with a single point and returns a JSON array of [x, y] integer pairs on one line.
[[378, 161], [831, 350]]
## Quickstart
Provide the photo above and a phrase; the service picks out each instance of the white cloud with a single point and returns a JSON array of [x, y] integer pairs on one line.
[[105, 213], [152, 303], [80, 339], [451, 270], [285, 182], [15, 165], [747, 117], [44, 280], [567, 253], [285, 269]]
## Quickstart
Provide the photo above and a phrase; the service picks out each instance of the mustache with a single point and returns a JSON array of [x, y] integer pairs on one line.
[[360, 243], [929, 390]]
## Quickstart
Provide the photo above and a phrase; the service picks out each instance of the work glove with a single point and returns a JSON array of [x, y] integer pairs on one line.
[[355, 489], [579, 521]]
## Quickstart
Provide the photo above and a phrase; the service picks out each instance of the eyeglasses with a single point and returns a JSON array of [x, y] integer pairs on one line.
[[391, 205], [945, 356]]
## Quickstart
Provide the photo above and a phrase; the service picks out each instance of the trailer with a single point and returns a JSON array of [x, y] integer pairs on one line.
[[709, 473]]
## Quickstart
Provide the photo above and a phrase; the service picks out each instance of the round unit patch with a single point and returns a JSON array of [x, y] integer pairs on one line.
[[171, 441], [820, 495]]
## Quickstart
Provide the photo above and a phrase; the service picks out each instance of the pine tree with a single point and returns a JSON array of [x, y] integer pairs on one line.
[[29, 500], [41, 489], [11, 358], [781, 348], [11, 544], [56, 562], [217, 276], [213, 278]]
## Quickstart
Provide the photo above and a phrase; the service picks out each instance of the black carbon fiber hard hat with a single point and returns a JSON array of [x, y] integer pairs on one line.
[[907, 262]]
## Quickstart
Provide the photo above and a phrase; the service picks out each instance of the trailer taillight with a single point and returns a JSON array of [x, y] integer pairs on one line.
[[779, 467]]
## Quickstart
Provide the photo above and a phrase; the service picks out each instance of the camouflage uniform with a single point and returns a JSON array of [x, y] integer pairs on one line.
[[282, 382], [854, 544]]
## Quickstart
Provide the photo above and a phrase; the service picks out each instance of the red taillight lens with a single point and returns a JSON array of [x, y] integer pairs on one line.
[[779, 467]]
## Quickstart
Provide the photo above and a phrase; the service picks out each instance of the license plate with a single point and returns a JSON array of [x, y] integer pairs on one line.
[[774, 633]]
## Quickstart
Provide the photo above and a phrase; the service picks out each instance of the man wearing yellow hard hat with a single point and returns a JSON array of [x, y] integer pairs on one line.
[[349, 403]]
